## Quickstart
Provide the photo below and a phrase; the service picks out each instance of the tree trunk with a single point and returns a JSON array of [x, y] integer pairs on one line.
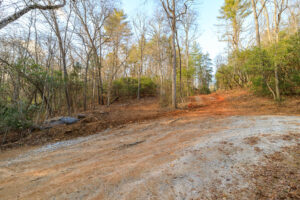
[[256, 23], [100, 88], [277, 82], [140, 69], [16, 94], [63, 57], [94, 76], [139, 83], [86, 84], [161, 89], [66, 83], [266, 14], [277, 91], [100, 98], [1, 77], [111, 74], [271, 90], [180, 67], [277, 19], [187, 60], [109, 93], [161, 92], [174, 103]]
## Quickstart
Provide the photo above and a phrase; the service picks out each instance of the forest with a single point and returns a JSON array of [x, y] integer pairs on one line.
[[270, 66], [68, 56], [149, 99]]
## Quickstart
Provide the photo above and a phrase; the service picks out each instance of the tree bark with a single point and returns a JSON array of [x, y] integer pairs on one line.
[[266, 14], [187, 59], [100, 88], [256, 22], [86, 83], [140, 68], [174, 102], [180, 65], [278, 10], [64, 62]]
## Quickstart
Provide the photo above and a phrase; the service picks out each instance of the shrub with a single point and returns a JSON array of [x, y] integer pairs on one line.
[[255, 68], [204, 90], [15, 117], [128, 87]]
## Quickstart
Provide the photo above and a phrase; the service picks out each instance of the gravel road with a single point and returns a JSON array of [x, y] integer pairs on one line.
[[176, 158]]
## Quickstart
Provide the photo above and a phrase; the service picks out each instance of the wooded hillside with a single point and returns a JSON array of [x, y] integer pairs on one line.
[[63, 57]]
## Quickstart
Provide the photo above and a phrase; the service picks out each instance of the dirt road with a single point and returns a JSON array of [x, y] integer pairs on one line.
[[183, 157]]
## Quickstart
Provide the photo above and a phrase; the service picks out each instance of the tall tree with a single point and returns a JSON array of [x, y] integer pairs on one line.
[[294, 16], [159, 44], [118, 29], [202, 64], [140, 27], [279, 7], [64, 38], [190, 27], [92, 15], [234, 13], [174, 10], [256, 14], [267, 18]]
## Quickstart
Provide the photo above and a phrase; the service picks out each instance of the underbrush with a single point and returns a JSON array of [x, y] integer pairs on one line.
[[128, 87], [15, 117]]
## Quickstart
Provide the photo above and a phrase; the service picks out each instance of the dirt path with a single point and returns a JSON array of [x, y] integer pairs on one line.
[[180, 158], [190, 155]]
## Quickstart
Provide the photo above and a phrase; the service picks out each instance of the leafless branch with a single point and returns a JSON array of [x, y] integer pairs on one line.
[[4, 22]]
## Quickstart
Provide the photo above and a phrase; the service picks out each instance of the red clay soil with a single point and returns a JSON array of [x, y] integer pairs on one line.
[[230, 103]]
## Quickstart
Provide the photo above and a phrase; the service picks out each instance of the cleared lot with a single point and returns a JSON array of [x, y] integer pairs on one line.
[[186, 157]]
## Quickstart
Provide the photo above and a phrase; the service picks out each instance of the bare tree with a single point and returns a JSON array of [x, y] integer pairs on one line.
[[63, 43], [159, 48], [92, 16], [85, 56], [294, 16], [279, 7], [174, 11], [267, 18], [256, 14], [118, 29], [51, 6], [140, 25], [234, 14], [189, 25]]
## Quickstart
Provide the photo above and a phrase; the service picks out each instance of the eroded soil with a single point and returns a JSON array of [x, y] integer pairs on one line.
[[208, 151], [119, 114]]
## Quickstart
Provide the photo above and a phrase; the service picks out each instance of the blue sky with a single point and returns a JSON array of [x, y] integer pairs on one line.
[[208, 12]]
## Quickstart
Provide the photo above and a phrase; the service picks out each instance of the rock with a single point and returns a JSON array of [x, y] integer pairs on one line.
[[54, 123], [69, 120], [50, 123]]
